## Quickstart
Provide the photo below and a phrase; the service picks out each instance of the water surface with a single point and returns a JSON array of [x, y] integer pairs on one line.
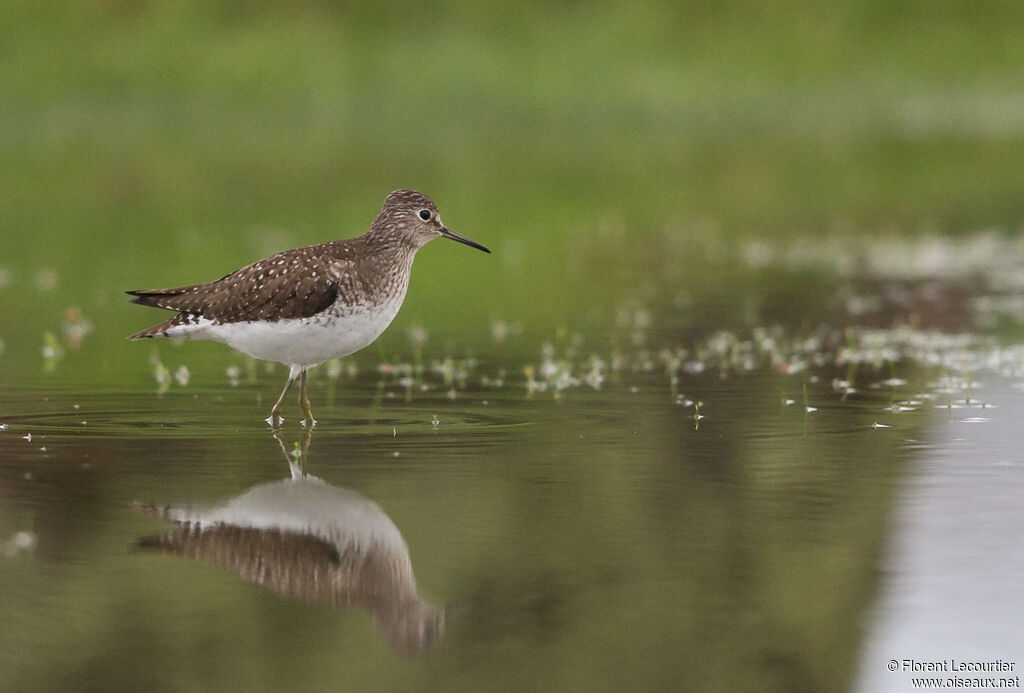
[[663, 504]]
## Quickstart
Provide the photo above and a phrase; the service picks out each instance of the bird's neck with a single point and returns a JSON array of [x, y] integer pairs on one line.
[[387, 247]]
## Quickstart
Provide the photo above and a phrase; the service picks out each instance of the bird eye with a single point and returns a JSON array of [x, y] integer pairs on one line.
[[425, 214]]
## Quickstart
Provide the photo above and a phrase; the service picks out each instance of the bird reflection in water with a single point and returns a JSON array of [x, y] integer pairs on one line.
[[306, 539]]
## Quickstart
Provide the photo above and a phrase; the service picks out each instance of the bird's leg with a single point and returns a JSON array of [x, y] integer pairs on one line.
[[275, 419], [307, 409], [296, 459]]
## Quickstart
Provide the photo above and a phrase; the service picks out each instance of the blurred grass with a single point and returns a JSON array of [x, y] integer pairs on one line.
[[164, 143]]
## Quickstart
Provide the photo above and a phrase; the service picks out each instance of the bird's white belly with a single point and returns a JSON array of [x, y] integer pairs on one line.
[[306, 342]]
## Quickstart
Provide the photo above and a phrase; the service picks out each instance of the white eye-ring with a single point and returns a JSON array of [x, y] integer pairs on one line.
[[425, 214]]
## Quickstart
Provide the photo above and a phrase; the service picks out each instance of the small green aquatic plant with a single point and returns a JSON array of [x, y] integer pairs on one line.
[[52, 352], [161, 373]]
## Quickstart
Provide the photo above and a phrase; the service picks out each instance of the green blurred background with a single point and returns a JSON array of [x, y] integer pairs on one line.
[[153, 144]]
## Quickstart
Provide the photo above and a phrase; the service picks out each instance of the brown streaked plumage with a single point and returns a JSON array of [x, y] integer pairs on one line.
[[305, 306], [264, 290]]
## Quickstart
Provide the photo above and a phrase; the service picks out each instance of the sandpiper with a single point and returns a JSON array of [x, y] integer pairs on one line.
[[305, 306]]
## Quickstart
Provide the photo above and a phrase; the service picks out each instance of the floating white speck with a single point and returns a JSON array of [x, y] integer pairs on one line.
[[46, 279], [787, 402], [810, 410], [395, 453], [28, 437], [878, 425], [975, 419], [18, 543], [3, 427], [435, 422], [418, 335]]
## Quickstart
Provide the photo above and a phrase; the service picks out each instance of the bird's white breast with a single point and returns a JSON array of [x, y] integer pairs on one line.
[[304, 342]]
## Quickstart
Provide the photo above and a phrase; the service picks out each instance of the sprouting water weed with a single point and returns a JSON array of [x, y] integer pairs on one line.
[[161, 373], [182, 375], [333, 368], [52, 351], [532, 385], [75, 327]]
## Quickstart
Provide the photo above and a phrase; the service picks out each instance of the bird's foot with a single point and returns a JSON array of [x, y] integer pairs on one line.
[[274, 420], [308, 422]]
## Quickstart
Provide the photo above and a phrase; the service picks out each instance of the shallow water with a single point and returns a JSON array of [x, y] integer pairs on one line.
[[605, 538], [647, 507]]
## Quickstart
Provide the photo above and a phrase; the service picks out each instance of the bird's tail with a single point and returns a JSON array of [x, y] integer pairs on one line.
[[169, 299], [159, 330], [186, 299]]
